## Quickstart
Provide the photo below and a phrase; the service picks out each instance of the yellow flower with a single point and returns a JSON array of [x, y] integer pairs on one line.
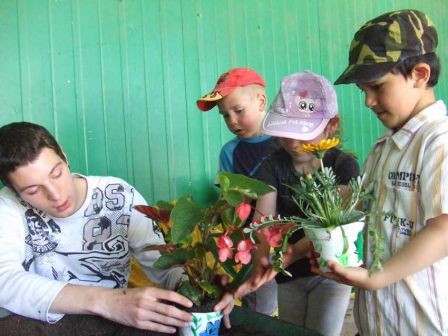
[[323, 145]]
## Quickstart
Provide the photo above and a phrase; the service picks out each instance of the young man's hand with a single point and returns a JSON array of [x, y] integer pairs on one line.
[[148, 308]]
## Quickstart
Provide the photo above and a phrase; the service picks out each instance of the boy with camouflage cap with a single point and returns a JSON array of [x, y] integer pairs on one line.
[[392, 59]]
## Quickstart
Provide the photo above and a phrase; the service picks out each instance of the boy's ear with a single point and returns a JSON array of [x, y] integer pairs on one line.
[[262, 100], [420, 74]]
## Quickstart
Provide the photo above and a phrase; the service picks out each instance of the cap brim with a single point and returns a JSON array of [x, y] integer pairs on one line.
[[209, 101], [205, 105], [364, 72], [294, 128]]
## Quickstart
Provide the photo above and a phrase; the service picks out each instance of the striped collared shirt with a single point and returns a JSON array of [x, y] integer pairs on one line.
[[409, 170]]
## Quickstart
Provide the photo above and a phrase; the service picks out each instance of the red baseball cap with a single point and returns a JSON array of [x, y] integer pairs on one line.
[[228, 82]]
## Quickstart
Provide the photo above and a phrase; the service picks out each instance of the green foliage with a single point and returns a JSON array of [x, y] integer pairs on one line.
[[192, 231], [319, 199], [185, 215], [177, 257]]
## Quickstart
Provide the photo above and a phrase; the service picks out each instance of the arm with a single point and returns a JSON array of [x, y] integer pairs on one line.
[[21, 292], [29, 294], [427, 247], [145, 308]]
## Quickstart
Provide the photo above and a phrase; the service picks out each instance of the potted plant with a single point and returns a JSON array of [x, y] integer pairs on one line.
[[333, 222], [207, 241]]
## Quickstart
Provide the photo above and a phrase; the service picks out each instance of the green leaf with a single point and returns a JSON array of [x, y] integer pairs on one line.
[[190, 291], [224, 182], [212, 290], [185, 215], [178, 257], [241, 276], [241, 182], [234, 198], [164, 205]]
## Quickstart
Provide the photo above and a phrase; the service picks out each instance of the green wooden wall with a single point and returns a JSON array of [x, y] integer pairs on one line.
[[116, 80]]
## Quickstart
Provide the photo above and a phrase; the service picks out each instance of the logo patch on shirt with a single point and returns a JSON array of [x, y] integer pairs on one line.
[[405, 226], [404, 180]]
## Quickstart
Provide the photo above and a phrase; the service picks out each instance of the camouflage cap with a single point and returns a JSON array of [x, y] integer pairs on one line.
[[380, 44]]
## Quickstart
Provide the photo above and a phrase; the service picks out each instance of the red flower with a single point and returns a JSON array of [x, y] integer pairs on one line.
[[243, 255], [243, 211], [274, 234], [224, 245]]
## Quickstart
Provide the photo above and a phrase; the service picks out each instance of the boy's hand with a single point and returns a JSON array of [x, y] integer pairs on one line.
[[227, 302], [352, 276], [226, 306], [262, 273]]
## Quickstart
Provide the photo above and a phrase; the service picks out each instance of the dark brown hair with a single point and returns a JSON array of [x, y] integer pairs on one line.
[[21, 144]]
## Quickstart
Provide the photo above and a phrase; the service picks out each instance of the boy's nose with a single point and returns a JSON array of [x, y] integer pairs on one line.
[[370, 99], [53, 193], [233, 120]]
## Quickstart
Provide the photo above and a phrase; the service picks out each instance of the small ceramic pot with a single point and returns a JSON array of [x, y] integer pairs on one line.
[[203, 324], [343, 244]]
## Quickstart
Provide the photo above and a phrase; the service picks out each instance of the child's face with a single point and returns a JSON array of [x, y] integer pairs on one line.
[[243, 111], [292, 146], [393, 98], [48, 185]]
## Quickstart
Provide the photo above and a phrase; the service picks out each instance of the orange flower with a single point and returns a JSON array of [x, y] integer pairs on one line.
[[322, 146]]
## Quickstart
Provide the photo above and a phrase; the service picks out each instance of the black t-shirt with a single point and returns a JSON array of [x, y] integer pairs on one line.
[[278, 171]]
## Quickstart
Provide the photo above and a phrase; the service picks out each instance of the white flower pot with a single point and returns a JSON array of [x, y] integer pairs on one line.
[[203, 324], [330, 244]]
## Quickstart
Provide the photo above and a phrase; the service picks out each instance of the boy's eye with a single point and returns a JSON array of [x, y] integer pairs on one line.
[[31, 191], [57, 173]]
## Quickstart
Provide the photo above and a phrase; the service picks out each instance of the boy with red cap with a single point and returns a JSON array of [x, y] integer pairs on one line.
[[241, 99]]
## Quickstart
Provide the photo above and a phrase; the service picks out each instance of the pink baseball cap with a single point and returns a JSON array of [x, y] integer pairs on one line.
[[302, 108], [228, 82]]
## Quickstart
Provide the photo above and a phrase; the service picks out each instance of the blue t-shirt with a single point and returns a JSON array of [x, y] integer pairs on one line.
[[244, 155]]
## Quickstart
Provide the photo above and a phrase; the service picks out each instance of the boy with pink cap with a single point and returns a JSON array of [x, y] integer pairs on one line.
[[304, 111], [241, 99]]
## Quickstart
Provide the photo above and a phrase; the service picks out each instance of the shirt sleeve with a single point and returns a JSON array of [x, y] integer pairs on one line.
[[21, 292], [226, 156], [143, 232], [434, 178]]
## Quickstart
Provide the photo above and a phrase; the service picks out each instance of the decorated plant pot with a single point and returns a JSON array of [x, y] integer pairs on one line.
[[343, 244], [203, 324]]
